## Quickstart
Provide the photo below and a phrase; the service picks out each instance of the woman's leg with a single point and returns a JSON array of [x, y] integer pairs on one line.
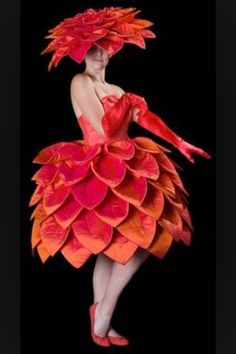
[[119, 278], [101, 276]]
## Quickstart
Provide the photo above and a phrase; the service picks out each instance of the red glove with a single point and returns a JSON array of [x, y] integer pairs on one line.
[[154, 124]]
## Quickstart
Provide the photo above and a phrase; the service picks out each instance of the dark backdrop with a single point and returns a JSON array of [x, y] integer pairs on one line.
[[169, 305]]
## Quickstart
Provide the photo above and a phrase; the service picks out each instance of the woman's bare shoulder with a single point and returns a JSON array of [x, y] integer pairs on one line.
[[117, 89], [81, 82], [81, 78]]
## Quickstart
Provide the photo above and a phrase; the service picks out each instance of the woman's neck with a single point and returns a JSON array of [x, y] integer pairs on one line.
[[96, 75]]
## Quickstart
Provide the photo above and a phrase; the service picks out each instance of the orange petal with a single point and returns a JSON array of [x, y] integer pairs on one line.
[[67, 213], [139, 23], [53, 199], [120, 249], [146, 144], [89, 192], [53, 235], [172, 222], [186, 216], [177, 181], [74, 251], [165, 163], [35, 235], [91, 231], [132, 189], [42, 251], [144, 164], [153, 203], [161, 243], [137, 40], [176, 201], [165, 184], [123, 149], [39, 213], [76, 151], [138, 227], [186, 235], [109, 169], [112, 210]]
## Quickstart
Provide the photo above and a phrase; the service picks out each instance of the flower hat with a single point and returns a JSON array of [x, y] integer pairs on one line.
[[108, 28]]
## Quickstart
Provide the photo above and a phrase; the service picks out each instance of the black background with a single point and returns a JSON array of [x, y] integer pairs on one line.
[[168, 305]]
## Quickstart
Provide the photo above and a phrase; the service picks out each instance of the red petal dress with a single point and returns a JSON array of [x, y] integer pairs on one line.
[[109, 195]]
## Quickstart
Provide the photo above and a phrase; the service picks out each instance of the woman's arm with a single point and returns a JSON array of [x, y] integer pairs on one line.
[[153, 123], [85, 99]]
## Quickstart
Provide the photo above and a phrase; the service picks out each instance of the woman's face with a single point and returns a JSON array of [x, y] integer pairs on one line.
[[97, 58]]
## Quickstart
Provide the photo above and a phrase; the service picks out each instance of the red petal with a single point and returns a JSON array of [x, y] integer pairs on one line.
[[67, 213], [92, 232], [45, 175], [72, 175], [37, 195], [112, 210], [109, 169], [132, 189], [89, 192], [123, 149], [53, 199], [79, 52], [111, 44]]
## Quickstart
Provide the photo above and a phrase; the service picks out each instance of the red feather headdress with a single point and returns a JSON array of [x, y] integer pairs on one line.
[[108, 28]]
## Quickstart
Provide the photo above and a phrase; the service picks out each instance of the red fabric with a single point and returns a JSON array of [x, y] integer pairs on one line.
[[109, 28], [109, 195]]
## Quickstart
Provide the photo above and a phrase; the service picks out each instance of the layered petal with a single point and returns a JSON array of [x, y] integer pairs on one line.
[[91, 231], [144, 164], [53, 235], [113, 210], [120, 250], [89, 192], [75, 253], [138, 227], [109, 169]]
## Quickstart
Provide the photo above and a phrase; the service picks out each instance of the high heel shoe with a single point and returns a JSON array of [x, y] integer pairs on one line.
[[102, 341], [118, 340]]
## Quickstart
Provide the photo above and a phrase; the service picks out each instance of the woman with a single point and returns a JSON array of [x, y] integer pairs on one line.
[[118, 198]]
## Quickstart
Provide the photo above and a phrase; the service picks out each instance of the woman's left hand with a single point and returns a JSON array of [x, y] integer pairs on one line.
[[188, 149]]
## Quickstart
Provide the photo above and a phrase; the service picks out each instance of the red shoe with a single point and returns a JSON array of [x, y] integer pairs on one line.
[[102, 341], [118, 340]]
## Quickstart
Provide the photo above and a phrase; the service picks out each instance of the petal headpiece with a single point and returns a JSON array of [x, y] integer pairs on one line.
[[108, 28]]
